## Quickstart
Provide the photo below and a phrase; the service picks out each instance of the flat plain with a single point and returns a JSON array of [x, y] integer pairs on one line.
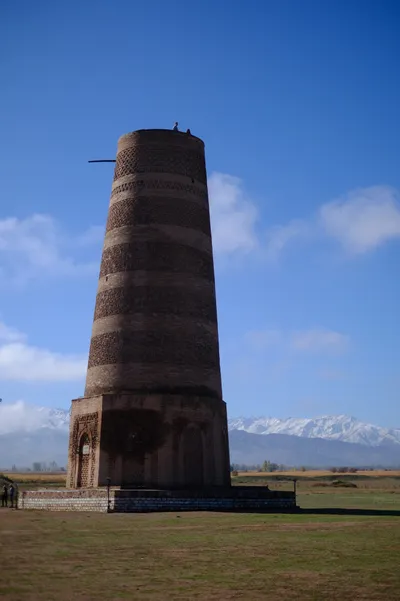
[[344, 544]]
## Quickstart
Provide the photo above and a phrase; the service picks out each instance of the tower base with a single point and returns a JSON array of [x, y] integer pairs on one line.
[[166, 441], [255, 499]]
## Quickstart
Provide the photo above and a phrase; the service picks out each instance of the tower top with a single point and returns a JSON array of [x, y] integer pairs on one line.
[[163, 135]]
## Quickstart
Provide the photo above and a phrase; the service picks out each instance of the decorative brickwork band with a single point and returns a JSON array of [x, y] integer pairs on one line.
[[154, 347], [146, 186], [165, 159], [148, 210], [139, 378], [149, 300], [157, 256]]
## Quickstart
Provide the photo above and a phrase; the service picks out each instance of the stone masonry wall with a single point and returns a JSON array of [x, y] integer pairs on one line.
[[96, 500], [151, 441]]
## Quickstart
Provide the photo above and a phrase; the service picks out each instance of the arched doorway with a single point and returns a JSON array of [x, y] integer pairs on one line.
[[193, 460], [83, 479]]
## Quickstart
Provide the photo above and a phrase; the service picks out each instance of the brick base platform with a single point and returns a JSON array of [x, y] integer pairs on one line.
[[252, 499]]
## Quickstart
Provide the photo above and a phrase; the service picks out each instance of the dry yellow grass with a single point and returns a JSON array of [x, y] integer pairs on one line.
[[37, 477], [319, 473], [61, 476]]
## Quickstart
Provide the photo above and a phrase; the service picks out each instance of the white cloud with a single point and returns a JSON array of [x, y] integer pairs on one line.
[[35, 246], [10, 334], [363, 219], [312, 340], [21, 361], [281, 235], [19, 416], [319, 340], [261, 339], [359, 222], [93, 235], [233, 215]]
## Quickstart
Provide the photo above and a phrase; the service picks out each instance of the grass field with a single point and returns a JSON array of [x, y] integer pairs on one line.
[[326, 473], [30, 480], [37, 477], [344, 545], [312, 481]]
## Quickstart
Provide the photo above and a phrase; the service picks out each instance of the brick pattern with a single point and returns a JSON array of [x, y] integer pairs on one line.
[[73, 501], [133, 246], [193, 455], [141, 431], [159, 504], [153, 210], [161, 159], [86, 425], [159, 137], [155, 339], [133, 471], [157, 256], [64, 500], [150, 185], [150, 300], [140, 378], [83, 479], [176, 348]]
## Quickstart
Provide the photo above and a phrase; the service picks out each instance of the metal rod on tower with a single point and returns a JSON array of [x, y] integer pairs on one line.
[[102, 161]]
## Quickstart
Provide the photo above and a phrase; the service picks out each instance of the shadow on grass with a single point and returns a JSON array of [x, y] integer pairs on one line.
[[318, 511], [352, 511]]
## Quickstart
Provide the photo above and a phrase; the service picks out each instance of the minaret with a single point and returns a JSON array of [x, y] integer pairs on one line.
[[153, 413]]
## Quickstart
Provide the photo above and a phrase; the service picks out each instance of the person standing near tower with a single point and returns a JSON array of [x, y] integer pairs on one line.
[[175, 128], [11, 491], [4, 496]]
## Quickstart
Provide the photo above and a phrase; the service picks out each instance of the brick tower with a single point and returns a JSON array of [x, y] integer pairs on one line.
[[153, 414]]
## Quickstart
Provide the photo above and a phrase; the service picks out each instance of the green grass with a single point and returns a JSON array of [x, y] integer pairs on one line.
[[209, 556]]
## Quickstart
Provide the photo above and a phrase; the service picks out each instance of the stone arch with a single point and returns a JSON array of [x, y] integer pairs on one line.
[[193, 456], [83, 476]]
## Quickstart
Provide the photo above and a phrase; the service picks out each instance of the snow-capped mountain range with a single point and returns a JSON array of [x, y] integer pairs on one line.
[[329, 427], [19, 417]]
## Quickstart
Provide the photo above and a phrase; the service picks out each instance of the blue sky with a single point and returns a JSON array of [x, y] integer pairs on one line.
[[298, 104]]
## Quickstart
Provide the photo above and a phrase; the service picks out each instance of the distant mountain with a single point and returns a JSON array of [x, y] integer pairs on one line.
[[22, 417], [24, 448], [46, 445], [329, 427], [30, 433], [253, 449]]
